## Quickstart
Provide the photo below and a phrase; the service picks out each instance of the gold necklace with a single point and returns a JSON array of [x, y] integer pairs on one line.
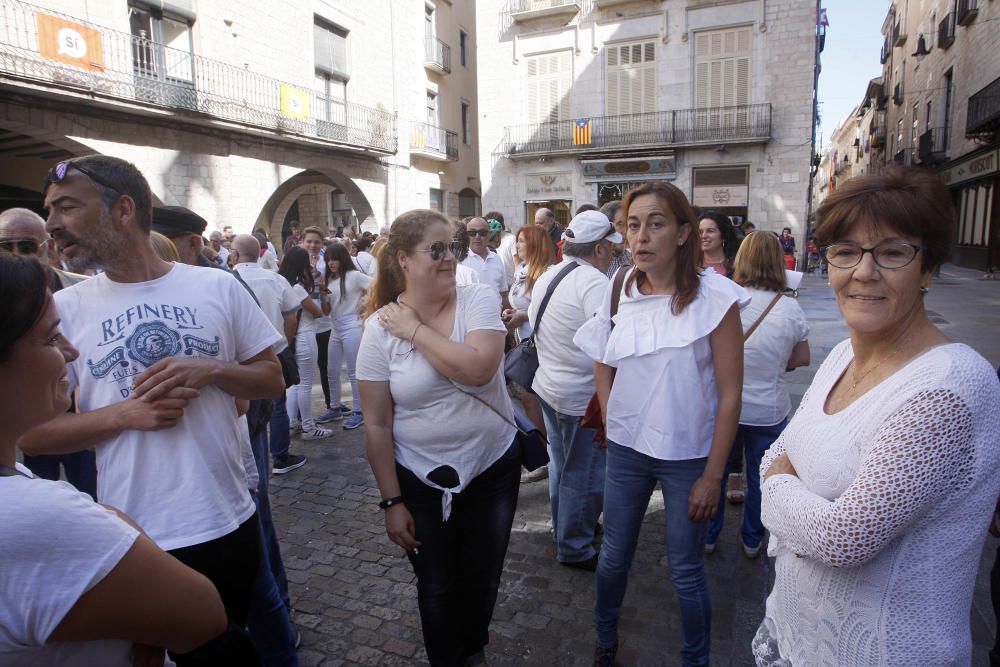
[[897, 345]]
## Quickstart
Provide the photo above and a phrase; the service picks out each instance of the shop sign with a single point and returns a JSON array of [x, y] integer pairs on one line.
[[976, 167], [629, 170], [708, 196], [543, 185]]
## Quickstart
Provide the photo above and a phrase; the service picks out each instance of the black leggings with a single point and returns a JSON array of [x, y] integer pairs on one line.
[[322, 351], [230, 563]]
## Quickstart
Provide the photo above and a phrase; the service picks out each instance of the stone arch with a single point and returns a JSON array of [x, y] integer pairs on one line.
[[469, 203], [272, 215]]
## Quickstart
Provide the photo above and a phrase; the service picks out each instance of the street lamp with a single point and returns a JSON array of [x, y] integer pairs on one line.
[[922, 49]]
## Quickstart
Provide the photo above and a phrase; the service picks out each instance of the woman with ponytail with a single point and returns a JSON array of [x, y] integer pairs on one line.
[[439, 431], [668, 374]]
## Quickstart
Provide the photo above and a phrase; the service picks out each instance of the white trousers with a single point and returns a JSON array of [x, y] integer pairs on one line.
[[345, 339], [300, 396]]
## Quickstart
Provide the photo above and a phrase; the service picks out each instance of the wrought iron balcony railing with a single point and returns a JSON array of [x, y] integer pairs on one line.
[[946, 31], [684, 127], [117, 65], [437, 55], [984, 111], [933, 145], [433, 142]]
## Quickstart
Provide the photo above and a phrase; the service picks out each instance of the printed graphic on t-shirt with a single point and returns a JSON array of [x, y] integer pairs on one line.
[[144, 334]]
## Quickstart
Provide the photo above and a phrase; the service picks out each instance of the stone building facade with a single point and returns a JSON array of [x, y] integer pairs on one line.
[[316, 111], [583, 100], [939, 108]]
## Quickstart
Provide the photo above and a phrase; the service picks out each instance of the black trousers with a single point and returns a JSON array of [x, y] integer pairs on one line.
[[322, 352], [459, 562], [230, 563], [995, 594]]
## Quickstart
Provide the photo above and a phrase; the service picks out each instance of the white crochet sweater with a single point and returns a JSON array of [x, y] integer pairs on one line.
[[878, 538]]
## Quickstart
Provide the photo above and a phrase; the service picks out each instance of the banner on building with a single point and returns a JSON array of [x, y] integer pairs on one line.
[[71, 43], [721, 196], [581, 132], [294, 102]]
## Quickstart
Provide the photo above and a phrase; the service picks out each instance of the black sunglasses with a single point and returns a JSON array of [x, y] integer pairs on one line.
[[57, 174], [23, 246], [438, 249], [478, 232]]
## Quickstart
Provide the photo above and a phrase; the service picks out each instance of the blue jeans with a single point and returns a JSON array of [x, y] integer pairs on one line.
[[459, 562], [576, 484], [268, 621], [630, 482], [80, 467], [281, 439], [756, 441]]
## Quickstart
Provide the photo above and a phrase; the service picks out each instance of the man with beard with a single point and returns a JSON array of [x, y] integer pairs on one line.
[[159, 341]]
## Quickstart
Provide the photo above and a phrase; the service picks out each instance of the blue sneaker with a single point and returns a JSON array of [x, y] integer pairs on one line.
[[331, 415], [353, 421], [346, 410]]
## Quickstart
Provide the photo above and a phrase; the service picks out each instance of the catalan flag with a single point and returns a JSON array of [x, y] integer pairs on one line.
[[581, 132]]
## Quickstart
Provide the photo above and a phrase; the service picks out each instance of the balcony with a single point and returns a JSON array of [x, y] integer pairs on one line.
[[886, 50], [897, 94], [524, 11], [437, 55], [878, 131], [656, 130], [898, 35], [432, 142], [984, 111], [966, 11], [196, 90], [946, 31], [933, 146]]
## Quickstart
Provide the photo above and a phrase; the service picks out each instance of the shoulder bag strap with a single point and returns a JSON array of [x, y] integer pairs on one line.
[[492, 409], [616, 294], [760, 319], [548, 295]]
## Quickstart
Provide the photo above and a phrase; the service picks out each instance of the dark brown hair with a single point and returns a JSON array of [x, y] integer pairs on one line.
[[686, 273], [405, 233], [908, 200]]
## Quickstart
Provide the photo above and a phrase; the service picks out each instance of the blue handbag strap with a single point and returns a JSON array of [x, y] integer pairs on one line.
[[548, 295]]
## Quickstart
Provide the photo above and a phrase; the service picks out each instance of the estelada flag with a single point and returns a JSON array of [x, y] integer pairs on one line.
[[581, 132], [69, 42]]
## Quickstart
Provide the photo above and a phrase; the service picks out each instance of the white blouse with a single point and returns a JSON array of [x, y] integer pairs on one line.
[[878, 537], [664, 400]]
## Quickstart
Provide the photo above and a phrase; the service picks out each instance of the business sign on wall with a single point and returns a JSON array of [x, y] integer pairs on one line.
[[545, 185], [647, 169], [721, 195], [973, 167]]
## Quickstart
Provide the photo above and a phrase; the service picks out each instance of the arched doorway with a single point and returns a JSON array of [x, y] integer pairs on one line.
[[469, 203]]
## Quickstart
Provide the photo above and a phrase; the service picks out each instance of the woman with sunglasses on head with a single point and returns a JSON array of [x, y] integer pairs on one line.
[[668, 374], [877, 491], [81, 584], [346, 286], [444, 460], [315, 299]]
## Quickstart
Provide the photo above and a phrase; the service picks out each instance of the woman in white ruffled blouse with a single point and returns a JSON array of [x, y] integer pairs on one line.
[[877, 492], [668, 376]]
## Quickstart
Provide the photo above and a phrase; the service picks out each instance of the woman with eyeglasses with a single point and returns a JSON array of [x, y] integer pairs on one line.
[[82, 585], [877, 491], [297, 269], [439, 431], [347, 286]]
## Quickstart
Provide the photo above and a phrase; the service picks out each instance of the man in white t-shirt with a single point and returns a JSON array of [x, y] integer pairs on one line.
[[483, 261], [564, 384], [165, 348]]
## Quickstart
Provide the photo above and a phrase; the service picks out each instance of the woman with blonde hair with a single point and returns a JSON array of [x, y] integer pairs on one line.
[[777, 342], [163, 247], [668, 373], [440, 431]]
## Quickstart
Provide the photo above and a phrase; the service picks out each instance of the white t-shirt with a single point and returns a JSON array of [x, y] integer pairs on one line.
[[365, 261], [765, 356], [490, 270], [246, 454], [565, 377], [324, 323], [268, 260], [520, 298], [434, 423], [466, 276], [506, 252], [356, 285], [275, 295], [185, 485], [664, 401], [307, 321], [57, 544]]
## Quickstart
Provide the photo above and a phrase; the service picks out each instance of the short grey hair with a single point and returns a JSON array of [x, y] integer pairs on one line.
[[581, 250], [216, 235]]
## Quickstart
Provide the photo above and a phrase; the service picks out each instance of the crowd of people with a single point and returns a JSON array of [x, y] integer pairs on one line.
[[662, 336]]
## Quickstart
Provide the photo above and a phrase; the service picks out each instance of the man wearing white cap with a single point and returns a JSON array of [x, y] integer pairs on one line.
[[565, 382]]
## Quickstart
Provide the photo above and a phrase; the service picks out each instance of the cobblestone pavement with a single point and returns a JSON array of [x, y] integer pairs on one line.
[[354, 593]]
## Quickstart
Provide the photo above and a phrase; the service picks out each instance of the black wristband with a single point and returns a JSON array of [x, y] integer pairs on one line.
[[389, 502]]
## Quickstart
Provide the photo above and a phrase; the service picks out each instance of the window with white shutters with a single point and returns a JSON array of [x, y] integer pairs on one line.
[[722, 68], [549, 80], [630, 77]]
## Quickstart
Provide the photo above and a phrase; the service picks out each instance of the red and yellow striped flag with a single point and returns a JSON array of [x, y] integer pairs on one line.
[[581, 132]]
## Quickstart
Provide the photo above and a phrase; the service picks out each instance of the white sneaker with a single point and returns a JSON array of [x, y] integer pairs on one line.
[[751, 552], [317, 434], [295, 428]]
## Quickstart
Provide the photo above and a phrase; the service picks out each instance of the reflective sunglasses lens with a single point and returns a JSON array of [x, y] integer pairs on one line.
[[60, 171], [437, 250], [456, 247]]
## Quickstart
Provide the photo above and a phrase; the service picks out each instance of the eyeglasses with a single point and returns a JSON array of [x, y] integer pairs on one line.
[[478, 232], [887, 254], [21, 246], [438, 249], [57, 174]]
